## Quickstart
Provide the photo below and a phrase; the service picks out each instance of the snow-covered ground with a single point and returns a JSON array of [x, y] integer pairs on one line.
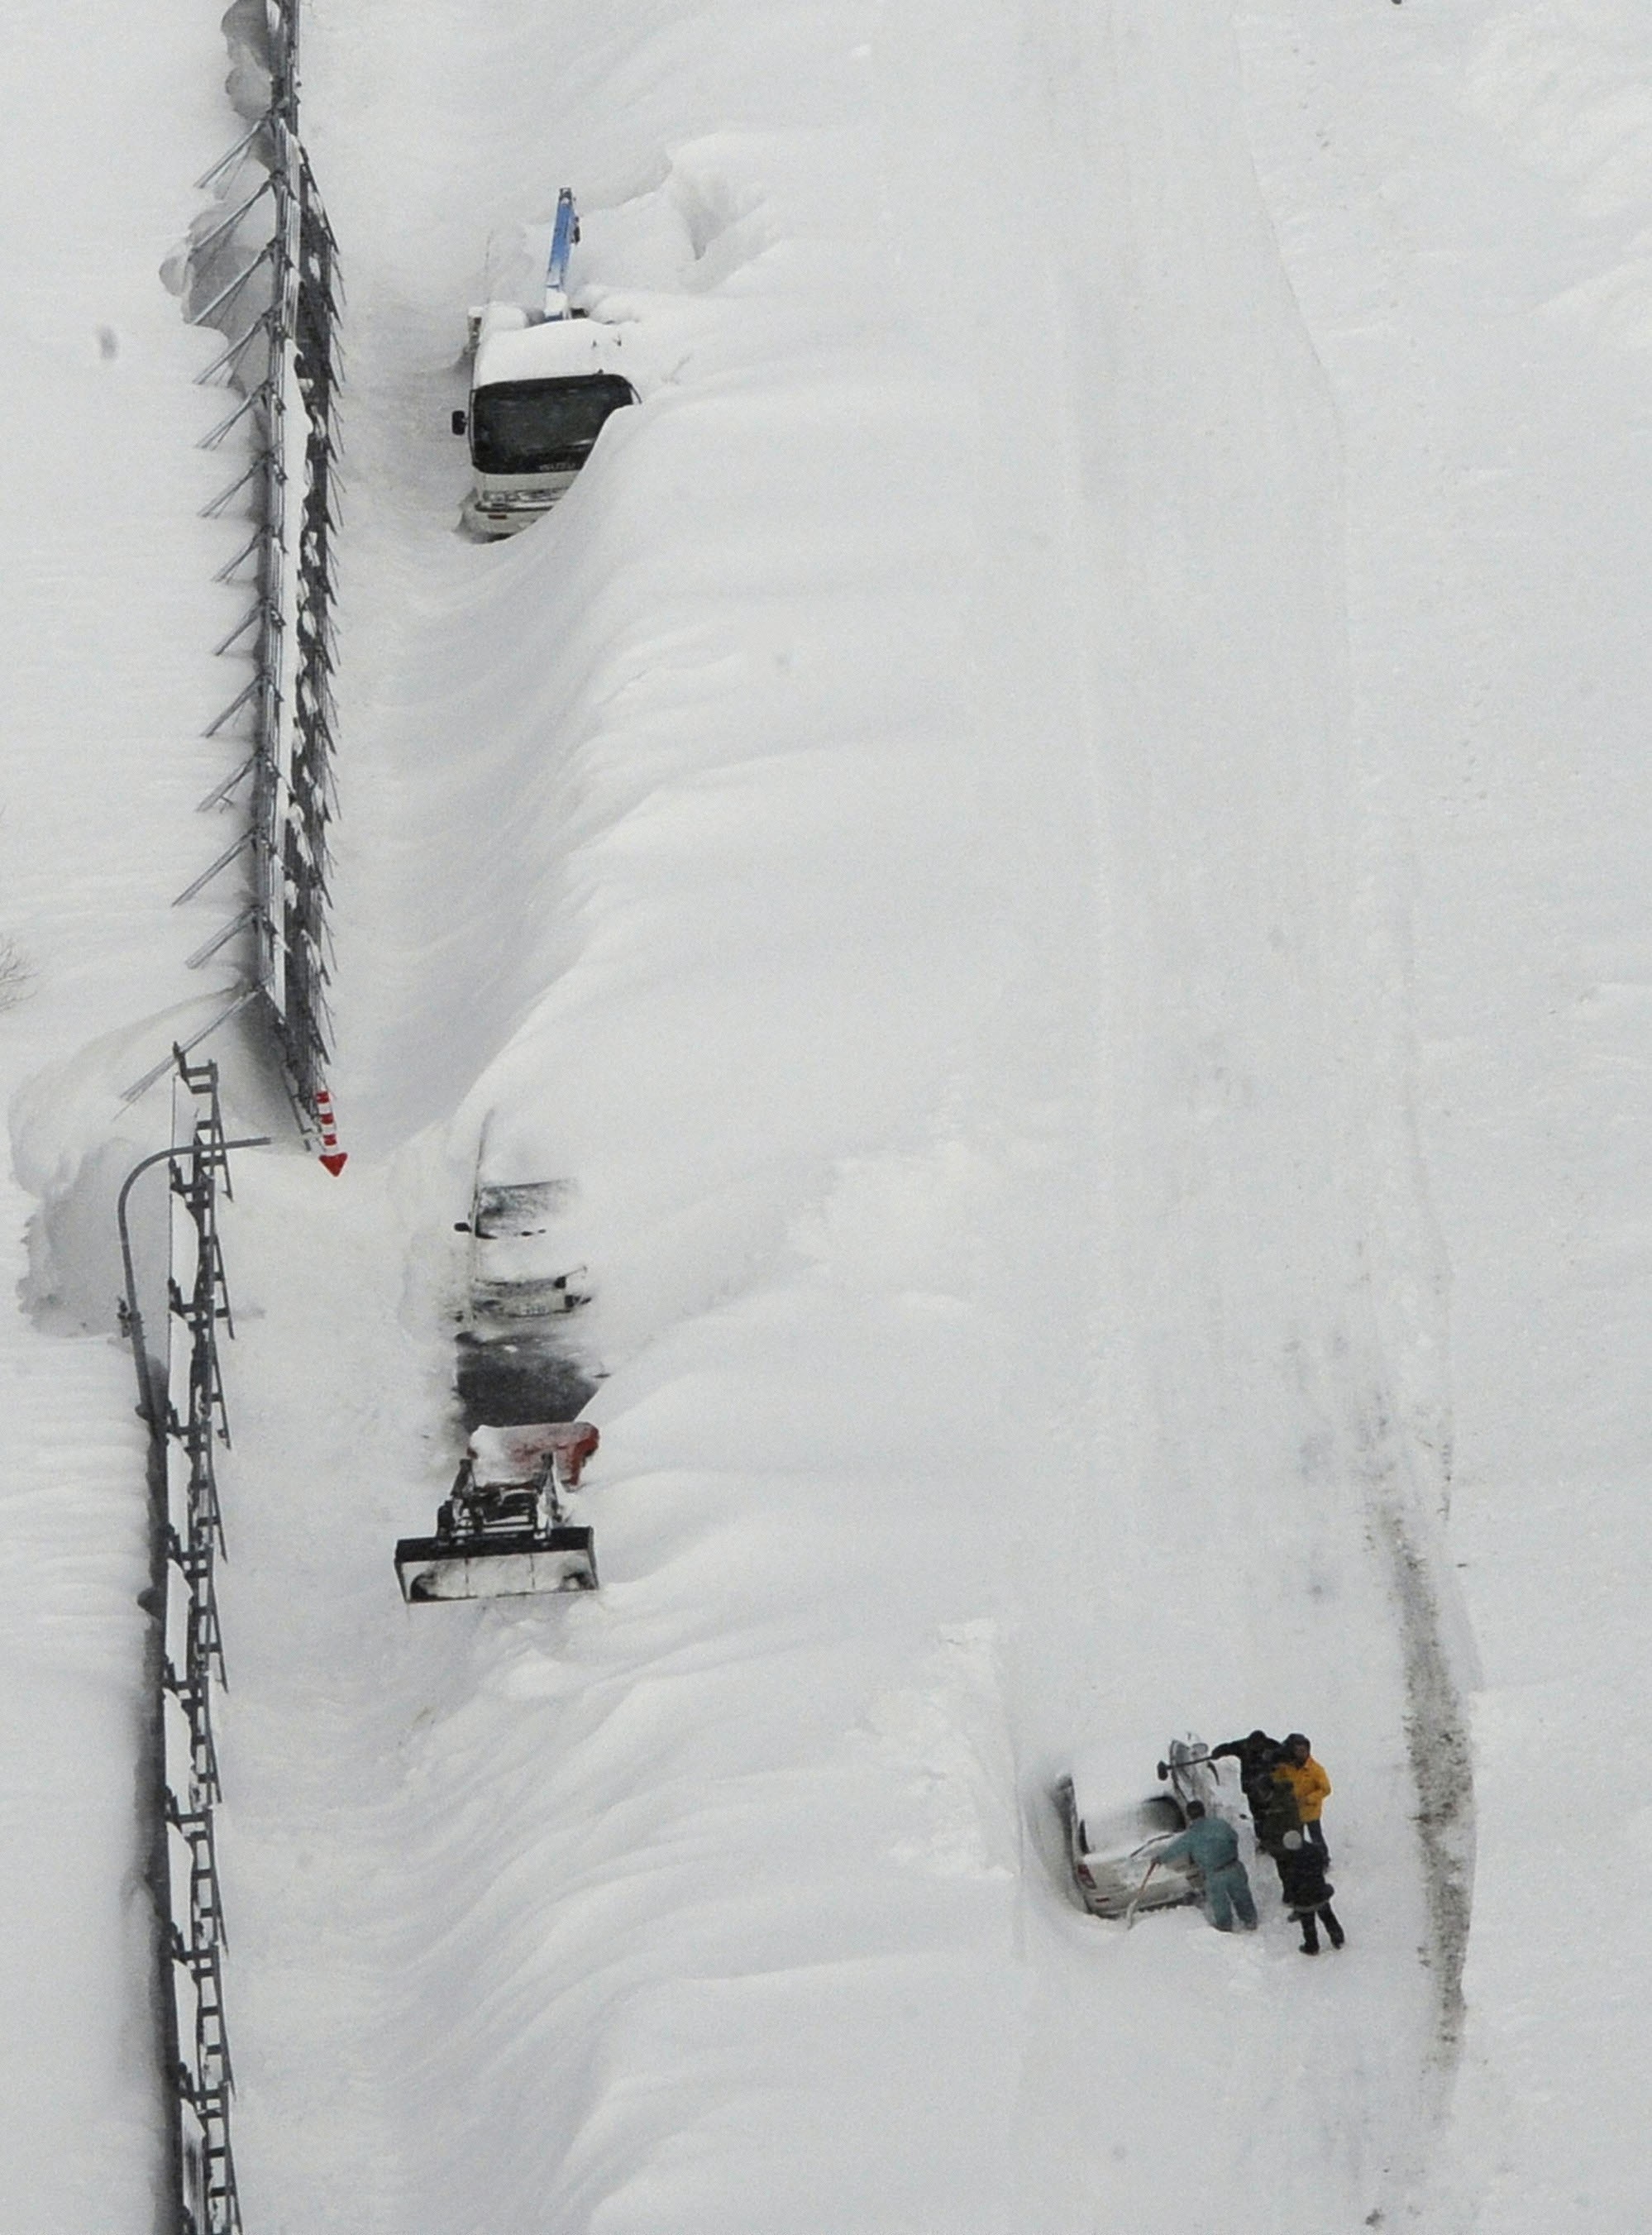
[[1050, 839], [105, 687]]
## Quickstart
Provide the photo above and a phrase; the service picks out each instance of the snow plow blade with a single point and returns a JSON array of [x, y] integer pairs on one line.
[[562, 1559]]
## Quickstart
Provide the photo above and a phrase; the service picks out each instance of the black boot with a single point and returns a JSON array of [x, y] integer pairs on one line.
[[1333, 1931], [1310, 1938]]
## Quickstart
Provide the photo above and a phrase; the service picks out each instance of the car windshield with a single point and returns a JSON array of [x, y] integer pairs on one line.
[[541, 426], [1121, 1831]]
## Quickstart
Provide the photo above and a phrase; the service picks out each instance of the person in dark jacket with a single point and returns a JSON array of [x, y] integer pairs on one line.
[[1213, 1844], [1276, 1815], [1308, 1892], [1257, 1756]]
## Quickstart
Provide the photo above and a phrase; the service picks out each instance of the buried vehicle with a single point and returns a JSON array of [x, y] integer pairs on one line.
[[504, 1532], [517, 1361], [543, 385], [1112, 1847]]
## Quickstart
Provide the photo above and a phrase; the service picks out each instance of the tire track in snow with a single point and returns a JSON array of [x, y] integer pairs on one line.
[[1436, 1743], [1343, 251], [1122, 94]]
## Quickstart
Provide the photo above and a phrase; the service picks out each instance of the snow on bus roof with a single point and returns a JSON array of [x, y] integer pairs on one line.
[[562, 350]]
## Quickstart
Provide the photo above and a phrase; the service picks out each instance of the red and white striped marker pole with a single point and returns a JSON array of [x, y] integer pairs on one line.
[[333, 1159]]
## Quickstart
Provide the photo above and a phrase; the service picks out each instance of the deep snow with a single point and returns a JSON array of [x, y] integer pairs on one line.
[[105, 685], [1051, 837]]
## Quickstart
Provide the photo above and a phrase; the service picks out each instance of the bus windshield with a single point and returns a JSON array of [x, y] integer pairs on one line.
[[543, 426]]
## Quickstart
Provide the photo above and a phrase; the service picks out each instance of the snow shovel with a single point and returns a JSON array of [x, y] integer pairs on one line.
[[1130, 1914]]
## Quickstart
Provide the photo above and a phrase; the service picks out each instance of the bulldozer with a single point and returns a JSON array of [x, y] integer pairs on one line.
[[504, 1531]]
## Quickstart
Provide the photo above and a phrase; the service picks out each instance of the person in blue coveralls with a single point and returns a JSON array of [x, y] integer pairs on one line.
[[1213, 1844]]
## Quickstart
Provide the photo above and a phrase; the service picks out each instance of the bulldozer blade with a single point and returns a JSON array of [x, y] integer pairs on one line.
[[496, 1567]]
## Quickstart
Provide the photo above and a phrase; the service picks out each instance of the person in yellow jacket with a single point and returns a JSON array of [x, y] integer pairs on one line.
[[1307, 1780]]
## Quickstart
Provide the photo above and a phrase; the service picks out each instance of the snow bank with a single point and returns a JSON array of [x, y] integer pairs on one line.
[[106, 685], [1046, 839], [886, 841]]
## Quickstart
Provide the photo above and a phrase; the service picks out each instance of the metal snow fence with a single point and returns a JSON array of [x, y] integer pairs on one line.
[[187, 1421], [266, 274]]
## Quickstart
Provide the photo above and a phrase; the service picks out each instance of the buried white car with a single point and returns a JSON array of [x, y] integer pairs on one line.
[[1112, 1847]]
